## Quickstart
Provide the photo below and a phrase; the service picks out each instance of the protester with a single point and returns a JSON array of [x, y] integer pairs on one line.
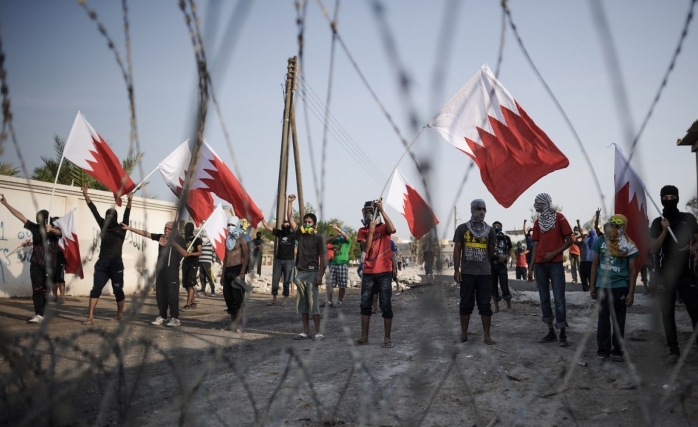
[[284, 259], [613, 278], [474, 245], [329, 250], [574, 254], [256, 257], [171, 250], [339, 265], [675, 262], [585, 266], [190, 264], [109, 266], [237, 255], [378, 268], [521, 264], [552, 235], [528, 233], [311, 268], [43, 257], [498, 261], [205, 262], [428, 258]]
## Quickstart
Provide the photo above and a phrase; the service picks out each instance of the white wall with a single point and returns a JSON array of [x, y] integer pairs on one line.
[[20, 194]]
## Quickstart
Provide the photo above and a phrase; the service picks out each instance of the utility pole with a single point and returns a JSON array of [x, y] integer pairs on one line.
[[283, 165], [297, 159]]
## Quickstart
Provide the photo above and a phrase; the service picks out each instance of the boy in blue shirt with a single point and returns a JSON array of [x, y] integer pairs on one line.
[[613, 278]]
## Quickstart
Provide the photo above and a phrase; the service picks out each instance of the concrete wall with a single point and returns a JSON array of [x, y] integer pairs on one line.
[[20, 194]]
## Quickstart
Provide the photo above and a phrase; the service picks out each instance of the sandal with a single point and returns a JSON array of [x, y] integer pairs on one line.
[[269, 304], [89, 322], [301, 336], [186, 307], [360, 342], [387, 344]]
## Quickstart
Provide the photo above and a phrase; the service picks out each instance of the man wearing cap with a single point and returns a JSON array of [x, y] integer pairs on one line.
[[552, 235], [474, 243], [675, 264], [109, 266], [378, 268]]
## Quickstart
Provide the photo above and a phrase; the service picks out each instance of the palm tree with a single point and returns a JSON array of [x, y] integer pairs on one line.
[[8, 169]]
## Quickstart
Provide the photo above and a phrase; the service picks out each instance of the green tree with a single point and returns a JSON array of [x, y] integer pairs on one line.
[[8, 169]]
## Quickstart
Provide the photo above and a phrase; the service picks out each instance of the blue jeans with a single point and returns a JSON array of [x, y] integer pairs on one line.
[[546, 273], [383, 284]]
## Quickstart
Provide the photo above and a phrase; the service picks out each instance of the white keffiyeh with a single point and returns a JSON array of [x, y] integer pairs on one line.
[[544, 206]]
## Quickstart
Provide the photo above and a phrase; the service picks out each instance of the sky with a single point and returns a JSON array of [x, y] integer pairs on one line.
[[58, 63]]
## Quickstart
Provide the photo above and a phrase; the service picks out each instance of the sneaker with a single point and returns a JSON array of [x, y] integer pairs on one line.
[[158, 322], [551, 337], [36, 319], [326, 304], [213, 294], [174, 322], [186, 307], [601, 358], [338, 304], [672, 359], [617, 357], [60, 301]]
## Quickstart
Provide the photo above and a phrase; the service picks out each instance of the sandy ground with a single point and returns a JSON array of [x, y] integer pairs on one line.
[[200, 374]]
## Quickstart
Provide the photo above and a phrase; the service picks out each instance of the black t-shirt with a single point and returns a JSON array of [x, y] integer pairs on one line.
[[310, 247], [168, 256], [112, 236], [284, 250], [188, 241], [501, 247], [670, 258], [38, 249]]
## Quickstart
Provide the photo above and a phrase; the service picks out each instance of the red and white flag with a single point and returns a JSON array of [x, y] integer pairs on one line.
[[216, 227], [86, 149], [69, 243], [485, 122], [632, 202], [405, 199], [173, 171], [214, 176]]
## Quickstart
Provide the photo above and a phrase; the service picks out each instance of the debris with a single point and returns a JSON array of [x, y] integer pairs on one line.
[[512, 378], [499, 349], [585, 364], [493, 422]]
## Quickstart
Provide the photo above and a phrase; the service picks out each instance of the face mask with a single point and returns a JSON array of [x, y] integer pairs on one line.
[[231, 229], [670, 204], [478, 216], [497, 229]]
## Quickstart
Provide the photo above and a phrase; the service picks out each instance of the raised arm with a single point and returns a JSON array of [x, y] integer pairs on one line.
[[127, 212], [596, 222], [289, 212], [143, 233], [388, 223], [12, 210], [93, 208], [524, 228], [266, 225]]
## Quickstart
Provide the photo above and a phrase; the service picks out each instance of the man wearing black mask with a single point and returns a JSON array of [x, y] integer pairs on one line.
[[284, 257], [109, 266], [675, 264], [43, 257], [500, 274]]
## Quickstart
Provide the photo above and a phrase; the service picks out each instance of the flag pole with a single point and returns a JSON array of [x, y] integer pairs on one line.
[[200, 228], [145, 179], [53, 191], [402, 157]]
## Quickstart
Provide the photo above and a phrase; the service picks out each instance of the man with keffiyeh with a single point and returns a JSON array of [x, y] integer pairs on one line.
[[552, 235], [235, 263], [613, 278], [474, 243]]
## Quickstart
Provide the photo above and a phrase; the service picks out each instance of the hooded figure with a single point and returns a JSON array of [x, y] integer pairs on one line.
[[189, 230], [617, 241], [544, 206], [477, 225], [671, 207], [234, 232], [111, 219]]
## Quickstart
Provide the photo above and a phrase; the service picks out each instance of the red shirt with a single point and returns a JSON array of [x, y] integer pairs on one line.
[[552, 240], [330, 251], [379, 257], [574, 249], [521, 259]]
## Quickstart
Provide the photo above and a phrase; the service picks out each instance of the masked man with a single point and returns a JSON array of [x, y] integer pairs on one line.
[[675, 264], [284, 257], [109, 266]]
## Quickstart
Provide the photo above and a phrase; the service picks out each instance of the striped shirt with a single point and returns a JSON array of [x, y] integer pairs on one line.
[[206, 252]]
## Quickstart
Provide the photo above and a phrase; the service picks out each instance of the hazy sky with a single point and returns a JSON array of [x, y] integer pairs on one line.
[[58, 63]]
